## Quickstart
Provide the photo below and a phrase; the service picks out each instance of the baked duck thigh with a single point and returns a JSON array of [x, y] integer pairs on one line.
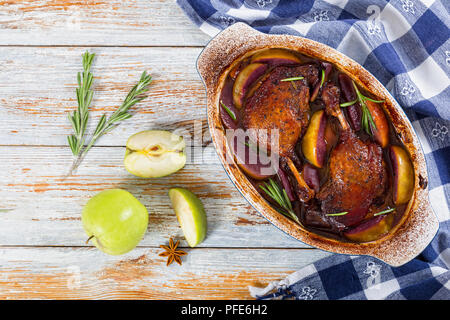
[[282, 105], [357, 170]]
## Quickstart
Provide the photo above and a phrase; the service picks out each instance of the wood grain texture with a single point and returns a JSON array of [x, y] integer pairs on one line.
[[37, 91], [44, 208], [84, 273], [43, 254], [97, 22]]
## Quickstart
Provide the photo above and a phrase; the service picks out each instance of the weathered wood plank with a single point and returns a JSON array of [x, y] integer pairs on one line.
[[85, 273], [94, 22], [37, 91], [40, 207]]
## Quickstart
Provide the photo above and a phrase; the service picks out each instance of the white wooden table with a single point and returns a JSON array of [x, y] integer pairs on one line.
[[43, 254]]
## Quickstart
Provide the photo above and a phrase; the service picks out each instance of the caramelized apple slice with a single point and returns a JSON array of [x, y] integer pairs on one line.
[[311, 176], [314, 147], [306, 193], [354, 112], [403, 175], [381, 132], [331, 137], [245, 78], [275, 57], [228, 113], [253, 162], [371, 229]]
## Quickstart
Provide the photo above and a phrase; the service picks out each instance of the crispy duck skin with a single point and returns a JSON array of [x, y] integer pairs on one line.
[[357, 171], [281, 105]]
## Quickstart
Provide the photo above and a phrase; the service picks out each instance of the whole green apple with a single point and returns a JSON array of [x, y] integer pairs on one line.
[[115, 221]]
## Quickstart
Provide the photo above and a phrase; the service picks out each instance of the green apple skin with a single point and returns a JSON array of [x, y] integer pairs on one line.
[[190, 214], [115, 220]]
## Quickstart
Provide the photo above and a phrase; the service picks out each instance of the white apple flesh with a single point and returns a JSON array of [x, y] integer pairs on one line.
[[190, 214], [154, 154]]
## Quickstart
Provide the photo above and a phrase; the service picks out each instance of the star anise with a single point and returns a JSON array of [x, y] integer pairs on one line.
[[172, 253]]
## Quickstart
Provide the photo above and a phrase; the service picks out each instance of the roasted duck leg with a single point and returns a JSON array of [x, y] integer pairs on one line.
[[357, 171], [281, 105]]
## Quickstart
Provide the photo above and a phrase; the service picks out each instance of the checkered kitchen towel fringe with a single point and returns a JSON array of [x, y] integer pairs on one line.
[[406, 45]]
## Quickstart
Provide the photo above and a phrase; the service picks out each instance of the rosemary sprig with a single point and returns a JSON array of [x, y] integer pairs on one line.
[[366, 115], [230, 113], [79, 118], [280, 196], [383, 212], [337, 214], [106, 124]]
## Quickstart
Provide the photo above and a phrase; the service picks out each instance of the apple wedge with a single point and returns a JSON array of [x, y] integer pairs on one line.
[[254, 162], [331, 138], [245, 78], [403, 184], [190, 214], [381, 132], [314, 146], [311, 175], [154, 153], [353, 111], [275, 56], [371, 229]]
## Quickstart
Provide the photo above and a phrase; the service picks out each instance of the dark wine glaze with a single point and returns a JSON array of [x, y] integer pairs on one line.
[[343, 177]]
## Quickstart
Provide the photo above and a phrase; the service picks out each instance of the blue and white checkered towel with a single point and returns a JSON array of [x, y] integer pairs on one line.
[[406, 45]]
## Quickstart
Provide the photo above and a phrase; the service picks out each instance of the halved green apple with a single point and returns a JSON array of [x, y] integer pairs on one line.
[[403, 175], [190, 214], [245, 78], [314, 146], [371, 229], [154, 153], [275, 56]]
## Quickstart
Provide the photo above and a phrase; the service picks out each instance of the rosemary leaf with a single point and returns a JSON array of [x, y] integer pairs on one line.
[[347, 104], [376, 101], [230, 113], [383, 212], [337, 214], [322, 80], [292, 79]]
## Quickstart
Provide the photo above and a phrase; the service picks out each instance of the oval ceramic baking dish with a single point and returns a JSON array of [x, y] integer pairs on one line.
[[418, 224]]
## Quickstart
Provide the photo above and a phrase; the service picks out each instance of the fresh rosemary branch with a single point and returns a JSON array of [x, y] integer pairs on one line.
[[106, 124], [79, 118], [280, 196], [366, 115]]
